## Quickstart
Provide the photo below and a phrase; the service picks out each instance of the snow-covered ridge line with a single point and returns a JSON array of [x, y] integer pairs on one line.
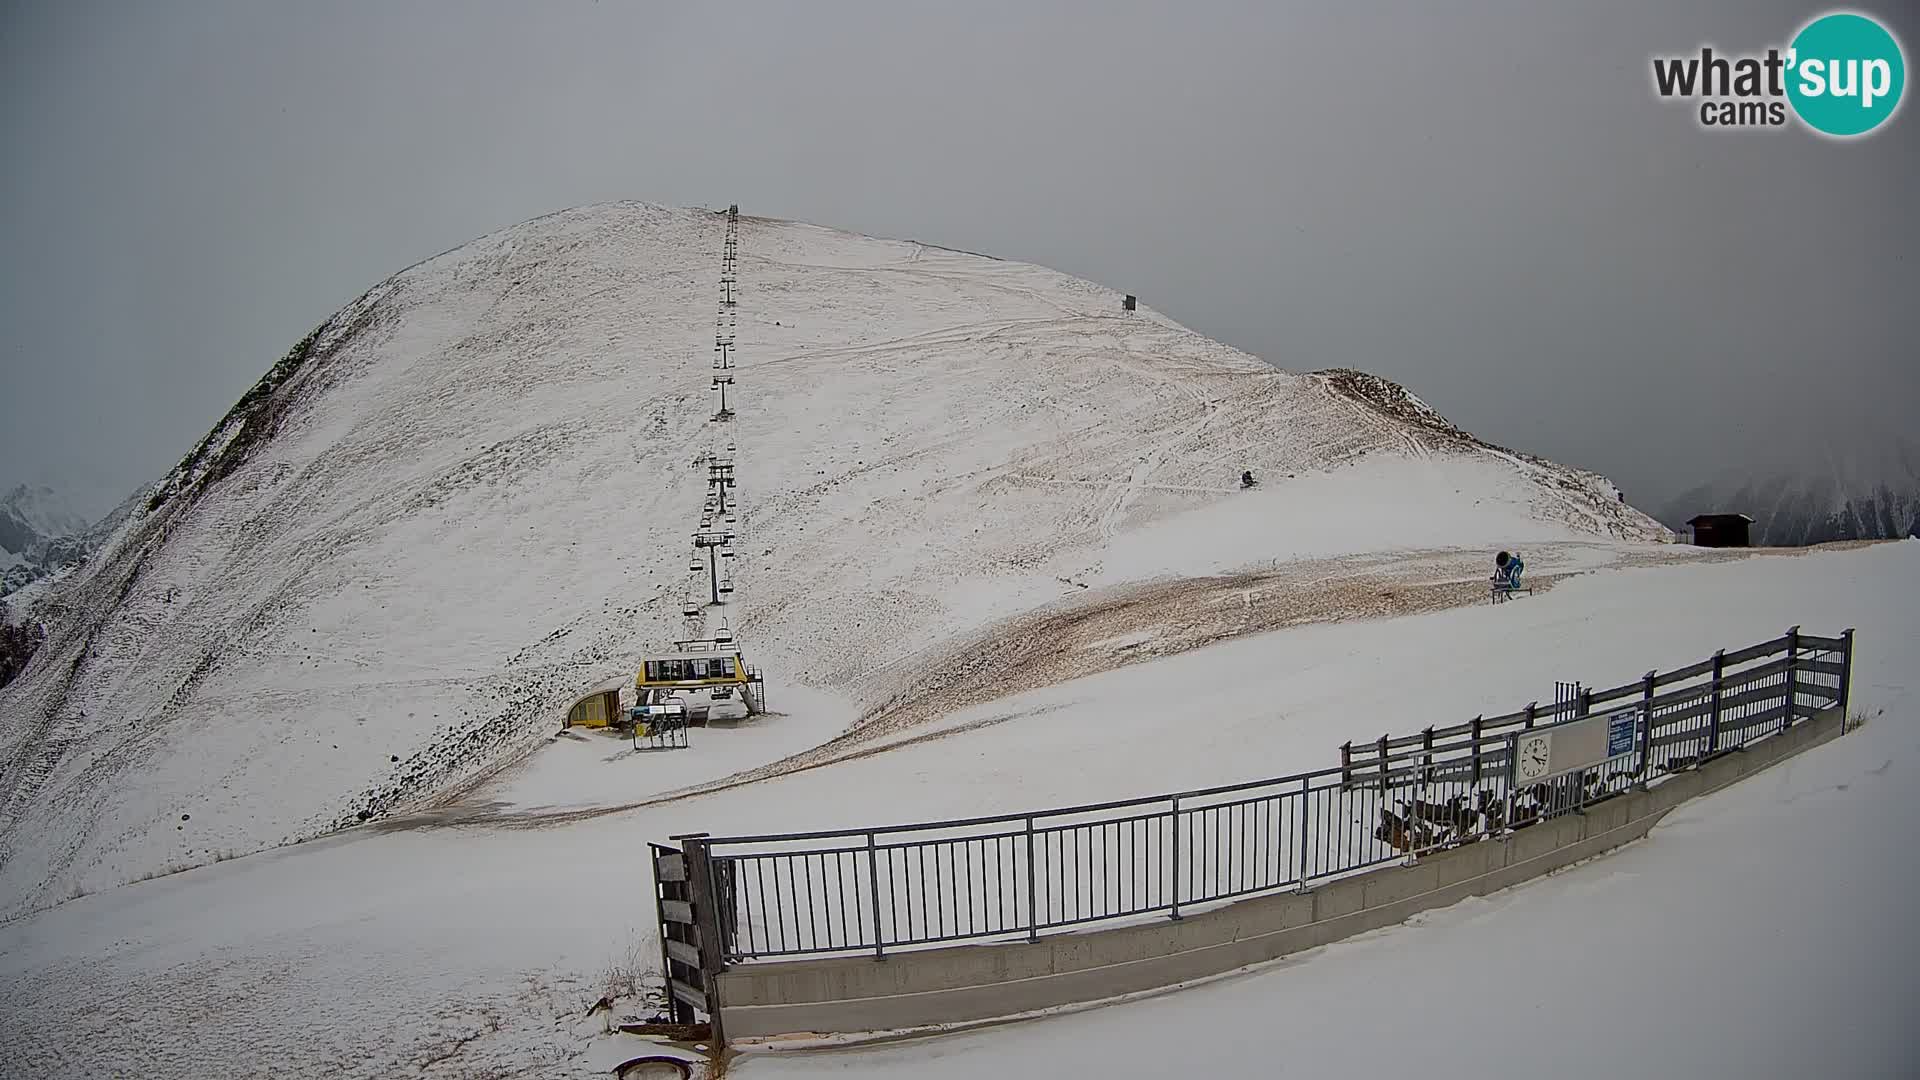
[[1392, 399], [1591, 499]]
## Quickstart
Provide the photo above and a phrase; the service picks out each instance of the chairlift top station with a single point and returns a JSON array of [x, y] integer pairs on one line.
[[696, 665]]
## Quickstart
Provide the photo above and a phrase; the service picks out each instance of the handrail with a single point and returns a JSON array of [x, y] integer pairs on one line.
[[911, 884], [1418, 741], [1021, 816]]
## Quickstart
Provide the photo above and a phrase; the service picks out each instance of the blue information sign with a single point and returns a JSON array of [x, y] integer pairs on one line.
[[1620, 732]]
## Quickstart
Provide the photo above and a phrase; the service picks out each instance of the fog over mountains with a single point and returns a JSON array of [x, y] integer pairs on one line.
[[1869, 492], [41, 534]]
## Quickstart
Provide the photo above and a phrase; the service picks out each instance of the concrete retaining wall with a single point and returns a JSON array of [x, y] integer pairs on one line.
[[982, 982]]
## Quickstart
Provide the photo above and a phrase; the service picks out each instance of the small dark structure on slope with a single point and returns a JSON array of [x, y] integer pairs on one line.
[[1721, 530], [1127, 304]]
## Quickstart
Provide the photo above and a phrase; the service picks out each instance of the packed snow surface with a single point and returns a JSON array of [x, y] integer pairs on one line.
[[1764, 931], [1760, 932]]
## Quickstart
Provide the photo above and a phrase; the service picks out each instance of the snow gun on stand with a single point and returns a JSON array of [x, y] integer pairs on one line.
[[1507, 568]]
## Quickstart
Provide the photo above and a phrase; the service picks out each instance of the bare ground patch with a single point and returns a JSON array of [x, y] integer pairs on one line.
[[1098, 632], [1113, 628]]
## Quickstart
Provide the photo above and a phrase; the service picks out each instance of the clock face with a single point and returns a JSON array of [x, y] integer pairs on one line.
[[1533, 757]]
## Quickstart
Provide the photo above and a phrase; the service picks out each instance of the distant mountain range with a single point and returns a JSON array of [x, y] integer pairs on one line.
[[1826, 496], [41, 535]]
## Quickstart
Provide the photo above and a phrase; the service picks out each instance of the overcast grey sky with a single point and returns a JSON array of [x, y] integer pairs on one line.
[[1484, 201]]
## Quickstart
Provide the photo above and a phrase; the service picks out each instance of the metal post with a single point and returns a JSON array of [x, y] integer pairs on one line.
[[1175, 820], [1476, 750], [1531, 706], [1422, 776], [1793, 657], [1583, 706], [1033, 910], [1713, 722], [1513, 774], [1346, 765], [1646, 730], [1846, 674], [713, 572], [1382, 754], [873, 882], [1300, 855]]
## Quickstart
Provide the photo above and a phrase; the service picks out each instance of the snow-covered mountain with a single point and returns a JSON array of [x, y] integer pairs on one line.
[[31, 512], [1870, 493], [465, 499], [41, 535]]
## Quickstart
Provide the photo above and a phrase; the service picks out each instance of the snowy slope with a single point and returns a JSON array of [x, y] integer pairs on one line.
[[437, 952], [465, 499], [1755, 933]]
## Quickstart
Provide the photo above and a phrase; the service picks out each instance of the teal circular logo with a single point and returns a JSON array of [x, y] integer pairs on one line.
[[1845, 74]]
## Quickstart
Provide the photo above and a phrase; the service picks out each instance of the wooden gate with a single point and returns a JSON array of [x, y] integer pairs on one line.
[[691, 950]]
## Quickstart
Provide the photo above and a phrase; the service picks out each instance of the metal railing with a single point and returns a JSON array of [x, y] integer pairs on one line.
[[1013, 876]]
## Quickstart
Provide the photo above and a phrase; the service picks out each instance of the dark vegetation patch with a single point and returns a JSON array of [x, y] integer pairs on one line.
[[17, 645]]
